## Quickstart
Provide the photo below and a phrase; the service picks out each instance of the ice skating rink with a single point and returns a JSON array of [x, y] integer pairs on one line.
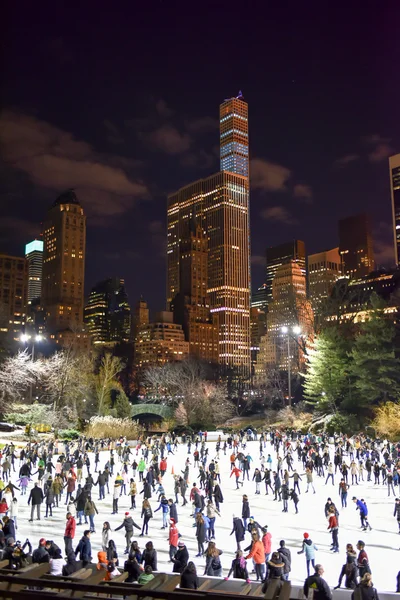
[[382, 543]]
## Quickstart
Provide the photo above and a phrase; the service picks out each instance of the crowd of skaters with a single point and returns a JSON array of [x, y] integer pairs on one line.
[[66, 474]]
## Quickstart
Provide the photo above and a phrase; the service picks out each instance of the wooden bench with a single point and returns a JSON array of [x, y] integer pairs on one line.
[[33, 570]]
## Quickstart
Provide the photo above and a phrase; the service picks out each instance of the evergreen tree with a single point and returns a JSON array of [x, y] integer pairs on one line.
[[375, 368], [327, 376]]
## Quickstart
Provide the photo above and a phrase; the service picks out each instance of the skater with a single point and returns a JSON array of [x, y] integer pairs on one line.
[[350, 573], [333, 527], [343, 490], [309, 548], [239, 568], [245, 510], [239, 531]]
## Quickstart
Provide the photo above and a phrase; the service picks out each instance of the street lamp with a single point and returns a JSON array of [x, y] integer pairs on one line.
[[296, 330], [25, 338]]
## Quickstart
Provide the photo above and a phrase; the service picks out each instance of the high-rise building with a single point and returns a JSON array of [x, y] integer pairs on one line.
[[221, 205], [160, 342], [280, 255], [64, 264], [258, 329], [394, 170], [13, 295], [234, 136], [356, 246], [191, 305], [259, 298], [107, 312], [324, 269], [289, 309], [140, 317], [34, 257]]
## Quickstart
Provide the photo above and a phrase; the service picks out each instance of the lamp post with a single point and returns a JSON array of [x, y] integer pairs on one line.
[[35, 339], [296, 330]]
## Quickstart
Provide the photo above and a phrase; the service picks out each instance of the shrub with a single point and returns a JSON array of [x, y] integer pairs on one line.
[[342, 423], [110, 427], [290, 417], [387, 420], [68, 434]]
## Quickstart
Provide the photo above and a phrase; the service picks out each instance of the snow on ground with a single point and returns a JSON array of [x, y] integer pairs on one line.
[[382, 543]]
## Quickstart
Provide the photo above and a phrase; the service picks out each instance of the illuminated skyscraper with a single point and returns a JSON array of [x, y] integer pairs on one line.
[[221, 205], [13, 295], [324, 269], [191, 306], [280, 255], [64, 264], [394, 169], [34, 257], [234, 136], [107, 312], [356, 246]]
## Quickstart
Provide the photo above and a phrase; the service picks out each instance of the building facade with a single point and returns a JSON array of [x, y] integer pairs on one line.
[[34, 257], [160, 342], [140, 317], [107, 313], [221, 205], [64, 264], [324, 269], [191, 306], [13, 295], [280, 255], [356, 246], [289, 309], [394, 173]]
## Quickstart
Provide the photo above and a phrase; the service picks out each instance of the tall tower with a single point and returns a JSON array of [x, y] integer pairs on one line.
[[34, 257], [234, 136], [221, 204], [280, 255], [107, 312], [13, 295], [394, 171], [356, 246], [191, 306], [64, 264]]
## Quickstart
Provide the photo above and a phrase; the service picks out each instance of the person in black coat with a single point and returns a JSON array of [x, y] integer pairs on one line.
[[366, 588], [218, 497], [35, 499], [318, 585], [149, 556], [132, 567], [200, 533], [189, 579], [180, 559], [239, 530], [8, 528], [173, 513], [245, 510], [84, 548], [350, 573], [71, 566], [146, 491]]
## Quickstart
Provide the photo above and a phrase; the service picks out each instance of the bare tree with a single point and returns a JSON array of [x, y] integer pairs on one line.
[[17, 374], [107, 380]]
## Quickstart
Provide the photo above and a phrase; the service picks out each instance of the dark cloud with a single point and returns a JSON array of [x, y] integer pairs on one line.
[[345, 160], [168, 139], [55, 159], [278, 214], [303, 192], [268, 176]]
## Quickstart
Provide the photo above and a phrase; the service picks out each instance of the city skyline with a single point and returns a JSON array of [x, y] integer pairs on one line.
[[320, 132]]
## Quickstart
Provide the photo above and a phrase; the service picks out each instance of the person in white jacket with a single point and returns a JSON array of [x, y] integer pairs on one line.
[[13, 511]]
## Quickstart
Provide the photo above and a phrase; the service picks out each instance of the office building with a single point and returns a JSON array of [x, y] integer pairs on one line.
[[13, 295], [394, 171], [160, 342], [356, 246], [259, 298], [258, 329], [289, 308], [191, 305], [34, 257], [280, 255], [64, 264], [324, 269], [140, 317], [107, 313], [221, 205], [353, 296]]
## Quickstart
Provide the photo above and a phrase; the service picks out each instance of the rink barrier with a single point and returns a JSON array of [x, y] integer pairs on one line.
[[88, 583]]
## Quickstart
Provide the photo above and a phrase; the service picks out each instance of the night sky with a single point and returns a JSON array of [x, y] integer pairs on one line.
[[122, 105]]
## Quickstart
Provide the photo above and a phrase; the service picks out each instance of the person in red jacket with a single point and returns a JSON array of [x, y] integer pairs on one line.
[[173, 539], [267, 543], [236, 471], [69, 533], [333, 527], [258, 556], [163, 466]]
